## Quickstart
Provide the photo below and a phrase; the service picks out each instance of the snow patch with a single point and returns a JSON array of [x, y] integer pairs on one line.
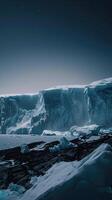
[[86, 131]]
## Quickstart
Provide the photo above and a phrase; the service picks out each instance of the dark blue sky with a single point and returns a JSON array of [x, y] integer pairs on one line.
[[44, 43]]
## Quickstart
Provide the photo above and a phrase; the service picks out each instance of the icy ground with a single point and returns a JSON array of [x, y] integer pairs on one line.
[[90, 178], [10, 141]]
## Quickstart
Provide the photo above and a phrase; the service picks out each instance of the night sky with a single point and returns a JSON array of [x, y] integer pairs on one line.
[[44, 43]]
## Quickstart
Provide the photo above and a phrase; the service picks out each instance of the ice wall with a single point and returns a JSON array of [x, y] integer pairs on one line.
[[57, 108]]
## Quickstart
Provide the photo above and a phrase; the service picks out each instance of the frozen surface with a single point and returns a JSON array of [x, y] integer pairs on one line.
[[63, 144], [14, 192], [10, 141], [88, 130], [57, 109], [56, 133], [88, 179], [16, 188]]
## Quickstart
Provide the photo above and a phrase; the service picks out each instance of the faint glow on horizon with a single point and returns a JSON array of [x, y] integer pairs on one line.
[[31, 74]]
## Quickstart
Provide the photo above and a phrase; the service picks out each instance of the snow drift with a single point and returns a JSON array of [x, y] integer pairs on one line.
[[57, 109]]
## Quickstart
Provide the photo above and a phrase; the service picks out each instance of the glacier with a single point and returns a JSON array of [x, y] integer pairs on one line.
[[57, 109]]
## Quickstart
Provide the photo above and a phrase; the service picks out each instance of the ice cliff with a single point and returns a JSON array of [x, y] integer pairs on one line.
[[57, 109]]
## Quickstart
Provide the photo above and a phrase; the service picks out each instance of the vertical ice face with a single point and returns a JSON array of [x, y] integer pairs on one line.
[[57, 109], [17, 113], [39, 115], [101, 105], [2, 114], [65, 107], [88, 104]]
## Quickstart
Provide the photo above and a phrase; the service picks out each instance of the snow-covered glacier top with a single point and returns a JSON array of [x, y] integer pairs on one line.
[[57, 109], [102, 83]]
